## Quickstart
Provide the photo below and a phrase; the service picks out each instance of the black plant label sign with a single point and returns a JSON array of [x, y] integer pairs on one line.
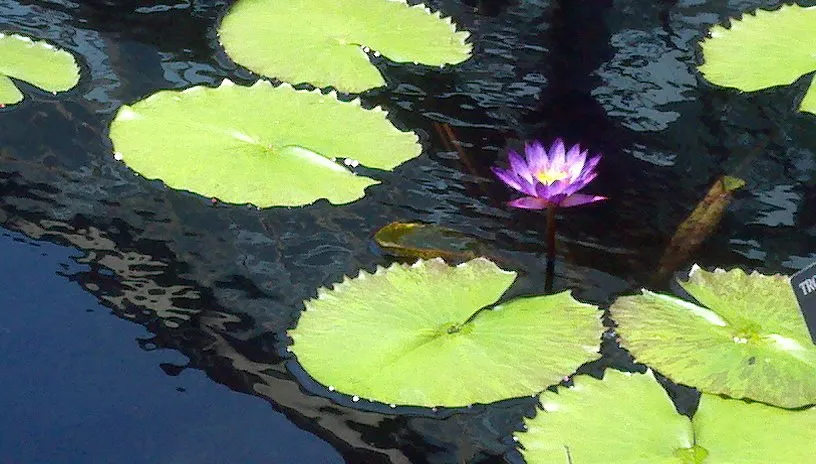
[[804, 286]]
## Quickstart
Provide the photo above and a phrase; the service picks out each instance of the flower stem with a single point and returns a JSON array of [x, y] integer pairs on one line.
[[548, 280]]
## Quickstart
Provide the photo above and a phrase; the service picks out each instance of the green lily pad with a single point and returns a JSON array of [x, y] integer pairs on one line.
[[754, 433], [407, 335], [269, 146], [625, 418], [323, 42], [629, 419], [749, 341], [764, 49], [38, 63]]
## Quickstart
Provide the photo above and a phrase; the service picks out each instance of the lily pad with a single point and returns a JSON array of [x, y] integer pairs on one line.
[[749, 341], [764, 49], [753, 433], [702, 221], [625, 418], [324, 42], [269, 146], [628, 418], [408, 335], [36, 62], [426, 241]]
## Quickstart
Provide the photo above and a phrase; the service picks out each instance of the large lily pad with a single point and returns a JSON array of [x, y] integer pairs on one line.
[[269, 146], [35, 62], [764, 49], [749, 341], [405, 335], [628, 418], [323, 42]]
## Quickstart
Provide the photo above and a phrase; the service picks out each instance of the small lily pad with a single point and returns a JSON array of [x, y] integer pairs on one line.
[[749, 341], [324, 42], [269, 146], [426, 241], [36, 62], [629, 418], [764, 49], [407, 335]]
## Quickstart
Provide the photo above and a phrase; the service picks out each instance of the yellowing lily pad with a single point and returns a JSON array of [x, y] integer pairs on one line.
[[749, 340], [408, 335], [764, 49], [264, 145], [36, 62], [324, 42]]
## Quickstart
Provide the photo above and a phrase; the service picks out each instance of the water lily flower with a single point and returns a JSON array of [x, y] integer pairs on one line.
[[550, 179]]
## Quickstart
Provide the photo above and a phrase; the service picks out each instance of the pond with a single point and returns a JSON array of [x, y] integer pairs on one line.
[[194, 367]]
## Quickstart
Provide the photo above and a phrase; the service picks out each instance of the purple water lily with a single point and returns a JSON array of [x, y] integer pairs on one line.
[[550, 179]]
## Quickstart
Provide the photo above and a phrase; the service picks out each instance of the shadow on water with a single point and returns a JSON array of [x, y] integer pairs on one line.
[[221, 283]]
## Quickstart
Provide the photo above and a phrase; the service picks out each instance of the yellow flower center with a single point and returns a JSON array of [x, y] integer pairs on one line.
[[548, 177]]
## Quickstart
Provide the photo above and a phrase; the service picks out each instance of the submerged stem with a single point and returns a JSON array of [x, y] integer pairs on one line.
[[551, 232], [550, 272]]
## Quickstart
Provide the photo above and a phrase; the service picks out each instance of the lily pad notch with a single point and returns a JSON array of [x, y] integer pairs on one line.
[[36, 62], [763, 49], [427, 335], [263, 145], [326, 42]]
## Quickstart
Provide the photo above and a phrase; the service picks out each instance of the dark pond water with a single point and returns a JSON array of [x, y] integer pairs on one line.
[[192, 368]]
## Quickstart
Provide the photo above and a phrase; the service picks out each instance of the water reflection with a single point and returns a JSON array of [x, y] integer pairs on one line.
[[221, 283]]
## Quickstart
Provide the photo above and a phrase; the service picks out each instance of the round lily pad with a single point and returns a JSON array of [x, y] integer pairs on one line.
[[749, 341], [629, 418], [763, 49], [265, 145], [324, 42], [753, 433], [405, 335], [36, 62], [625, 418]]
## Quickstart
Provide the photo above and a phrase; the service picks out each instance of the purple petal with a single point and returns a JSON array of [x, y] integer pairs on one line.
[[551, 190], [536, 156], [508, 177], [544, 191], [557, 156], [592, 163], [529, 203], [519, 167], [573, 154], [579, 199], [575, 161], [580, 183]]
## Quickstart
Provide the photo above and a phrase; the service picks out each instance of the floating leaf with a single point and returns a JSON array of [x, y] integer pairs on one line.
[[699, 224], [626, 418], [408, 335], [754, 433], [38, 63], [324, 42], [269, 146], [762, 50], [415, 240], [629, 418], [749, 341]]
